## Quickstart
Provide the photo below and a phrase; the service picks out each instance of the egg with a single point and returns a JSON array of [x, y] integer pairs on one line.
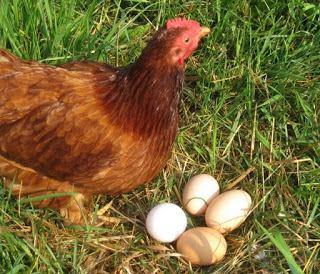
[[202, 246], [199, 192], [229, 210], [166, 222]]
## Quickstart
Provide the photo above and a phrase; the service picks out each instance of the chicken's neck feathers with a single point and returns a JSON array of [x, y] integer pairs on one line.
[[144, 99]]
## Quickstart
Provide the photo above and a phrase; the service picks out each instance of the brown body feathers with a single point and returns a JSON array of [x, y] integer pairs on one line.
[[88, 127]]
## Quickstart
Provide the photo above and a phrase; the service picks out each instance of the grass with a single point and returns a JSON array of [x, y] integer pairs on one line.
[[251, 101]]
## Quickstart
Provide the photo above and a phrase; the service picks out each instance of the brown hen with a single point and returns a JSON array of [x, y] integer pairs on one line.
[[88, 127]]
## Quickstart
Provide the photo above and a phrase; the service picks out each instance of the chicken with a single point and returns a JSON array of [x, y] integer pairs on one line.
[[90, 128]]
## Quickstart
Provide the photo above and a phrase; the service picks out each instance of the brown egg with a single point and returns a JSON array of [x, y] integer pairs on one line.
[[229, 210], [202, 246], [199, 192]]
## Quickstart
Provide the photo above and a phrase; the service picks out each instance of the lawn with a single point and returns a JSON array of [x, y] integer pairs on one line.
[[250, 117]]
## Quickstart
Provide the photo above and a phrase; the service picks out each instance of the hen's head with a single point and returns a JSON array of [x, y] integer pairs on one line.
[[189, 33], [173, 43]]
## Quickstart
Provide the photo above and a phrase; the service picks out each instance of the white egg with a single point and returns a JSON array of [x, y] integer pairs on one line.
[[166, 222], [199, 192]]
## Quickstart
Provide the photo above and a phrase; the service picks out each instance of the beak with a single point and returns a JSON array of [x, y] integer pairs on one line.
[[203, 31]]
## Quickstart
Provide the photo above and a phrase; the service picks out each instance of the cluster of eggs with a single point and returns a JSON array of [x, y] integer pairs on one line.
[[223, 212]]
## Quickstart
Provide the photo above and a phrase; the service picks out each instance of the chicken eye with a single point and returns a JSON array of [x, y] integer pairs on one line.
[[187, 40]]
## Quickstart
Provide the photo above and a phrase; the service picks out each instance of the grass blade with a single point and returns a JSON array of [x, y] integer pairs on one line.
[[278, 240]]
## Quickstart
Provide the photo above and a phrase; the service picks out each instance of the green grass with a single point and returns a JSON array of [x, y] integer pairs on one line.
[[251, 99]]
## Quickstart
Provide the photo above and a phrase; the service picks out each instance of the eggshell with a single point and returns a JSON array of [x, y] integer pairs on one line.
[[202, 245], [199, 192], [229, 210], [166, 222]]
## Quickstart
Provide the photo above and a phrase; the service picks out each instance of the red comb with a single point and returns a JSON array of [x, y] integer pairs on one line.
[[182, 23]]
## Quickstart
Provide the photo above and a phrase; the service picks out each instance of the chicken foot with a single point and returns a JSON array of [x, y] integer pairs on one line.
[[76, 212]]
